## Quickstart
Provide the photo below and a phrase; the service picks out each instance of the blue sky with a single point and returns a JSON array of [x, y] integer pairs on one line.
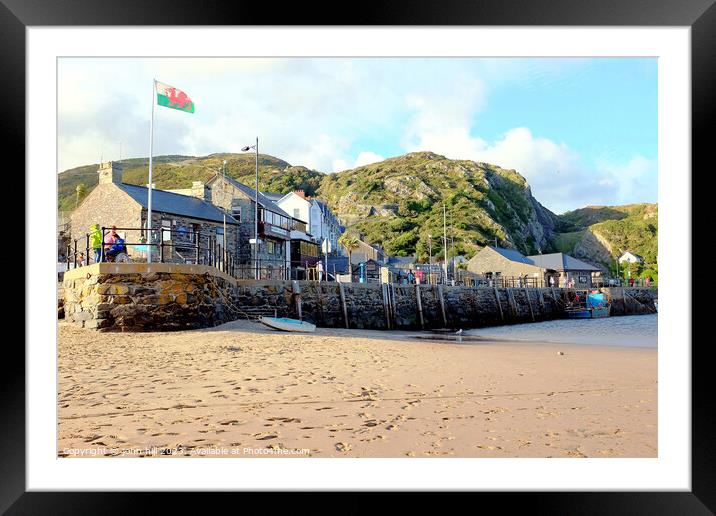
[[582, 131]]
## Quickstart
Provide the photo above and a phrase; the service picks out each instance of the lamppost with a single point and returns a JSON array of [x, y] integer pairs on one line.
[[223, 185], [256, 209], [430, 259]]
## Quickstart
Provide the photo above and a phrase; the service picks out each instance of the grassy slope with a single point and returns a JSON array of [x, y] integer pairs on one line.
[[398, 203], [632, 227], [171, 172]]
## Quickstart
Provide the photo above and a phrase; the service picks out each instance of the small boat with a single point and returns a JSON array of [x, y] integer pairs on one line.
[[591, 306], [287, 324]]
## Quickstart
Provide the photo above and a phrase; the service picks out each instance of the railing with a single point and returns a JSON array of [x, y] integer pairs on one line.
[[184, 246]]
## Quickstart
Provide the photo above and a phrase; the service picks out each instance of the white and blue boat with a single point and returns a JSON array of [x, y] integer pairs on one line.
[[590, 306], [287, 324]]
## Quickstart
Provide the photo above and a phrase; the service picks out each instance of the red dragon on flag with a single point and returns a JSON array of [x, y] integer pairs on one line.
[[171, 97]]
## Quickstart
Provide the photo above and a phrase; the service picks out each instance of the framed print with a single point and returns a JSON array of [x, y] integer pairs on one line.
[[415, 250]]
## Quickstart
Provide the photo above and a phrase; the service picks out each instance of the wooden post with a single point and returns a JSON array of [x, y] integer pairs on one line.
[[442, 304], [386, 304], [296, 288], [513, 303], [343, 304], [393, 307], [499, 305], [420, 306], [529, 302]]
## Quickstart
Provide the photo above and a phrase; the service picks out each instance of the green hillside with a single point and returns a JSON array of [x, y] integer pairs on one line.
[[171, 172], [398, 203], [603, 233]]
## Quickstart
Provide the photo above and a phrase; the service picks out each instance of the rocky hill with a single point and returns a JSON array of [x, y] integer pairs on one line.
[[398, 203], [602, 233]]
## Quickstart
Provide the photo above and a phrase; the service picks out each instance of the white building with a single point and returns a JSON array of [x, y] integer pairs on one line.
[[320, 221], [630, 258]]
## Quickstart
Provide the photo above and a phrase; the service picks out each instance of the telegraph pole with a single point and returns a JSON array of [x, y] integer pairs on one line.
[[445, 241]]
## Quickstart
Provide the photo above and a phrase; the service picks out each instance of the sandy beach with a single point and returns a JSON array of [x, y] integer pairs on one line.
[[244, 391]]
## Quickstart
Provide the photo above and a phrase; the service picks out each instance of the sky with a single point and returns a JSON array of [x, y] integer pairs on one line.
[[582, 131]]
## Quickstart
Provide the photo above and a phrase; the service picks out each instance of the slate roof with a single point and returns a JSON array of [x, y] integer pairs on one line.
[[561, 262], [177, 204], [273, 196], [340, 262], [512, 255], [400, 262]]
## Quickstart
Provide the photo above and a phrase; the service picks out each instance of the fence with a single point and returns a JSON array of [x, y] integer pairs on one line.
[[183, 246]]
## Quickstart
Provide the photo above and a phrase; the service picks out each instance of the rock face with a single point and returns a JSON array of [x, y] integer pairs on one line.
[[404, 198]]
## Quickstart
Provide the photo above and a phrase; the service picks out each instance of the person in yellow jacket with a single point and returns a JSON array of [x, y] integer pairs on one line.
[[96, 242]]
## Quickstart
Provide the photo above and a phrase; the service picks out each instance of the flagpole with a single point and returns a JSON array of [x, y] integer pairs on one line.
[[149, 187]]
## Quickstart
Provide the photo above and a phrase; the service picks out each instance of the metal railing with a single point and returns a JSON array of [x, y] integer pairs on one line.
[[184, 246]]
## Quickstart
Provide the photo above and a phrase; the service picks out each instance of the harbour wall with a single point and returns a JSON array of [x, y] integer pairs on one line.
[[165, 297]]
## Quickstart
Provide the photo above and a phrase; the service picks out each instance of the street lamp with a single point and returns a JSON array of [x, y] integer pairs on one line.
[[223, 183], [430, 259], [256, 209]]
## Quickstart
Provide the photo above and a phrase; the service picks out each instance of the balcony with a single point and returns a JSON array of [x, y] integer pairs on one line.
[[269, 230]]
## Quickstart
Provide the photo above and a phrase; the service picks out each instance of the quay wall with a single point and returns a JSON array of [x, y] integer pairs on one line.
[[165, 297]]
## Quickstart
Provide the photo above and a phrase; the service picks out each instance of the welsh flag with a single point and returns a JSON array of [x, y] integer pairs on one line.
[[172, 97]]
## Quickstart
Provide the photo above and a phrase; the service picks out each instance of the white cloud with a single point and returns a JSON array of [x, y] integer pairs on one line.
[[556, 173], [338, 165], [324, 113], [366, 158]]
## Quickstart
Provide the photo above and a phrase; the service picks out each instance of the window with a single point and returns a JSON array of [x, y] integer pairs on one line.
[[270, 247], [220, 237], [166, 230], [297, 213], [236, 211]]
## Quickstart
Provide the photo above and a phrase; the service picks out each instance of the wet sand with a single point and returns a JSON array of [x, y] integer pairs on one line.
[[242, 390]]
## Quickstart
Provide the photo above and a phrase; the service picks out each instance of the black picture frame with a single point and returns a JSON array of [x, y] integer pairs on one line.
[[700, 15]]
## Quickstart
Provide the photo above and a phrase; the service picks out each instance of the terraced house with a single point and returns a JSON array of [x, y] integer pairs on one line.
[[274, 226], [184, 219]]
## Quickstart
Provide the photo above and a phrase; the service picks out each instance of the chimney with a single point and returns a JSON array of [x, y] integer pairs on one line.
[[200, 190], [300, 193], [110, 172]]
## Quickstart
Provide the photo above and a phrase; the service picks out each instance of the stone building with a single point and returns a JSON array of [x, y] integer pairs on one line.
[[274, 225], [500, 264], [365, 252], [497, 262], [566, 269], [178, 220]]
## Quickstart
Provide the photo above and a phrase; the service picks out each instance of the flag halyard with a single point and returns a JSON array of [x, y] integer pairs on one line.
[[171, 97]]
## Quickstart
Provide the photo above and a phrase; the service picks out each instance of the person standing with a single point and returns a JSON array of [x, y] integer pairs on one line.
[[96, 242], [551, 281], [319, 270], [411, 277]]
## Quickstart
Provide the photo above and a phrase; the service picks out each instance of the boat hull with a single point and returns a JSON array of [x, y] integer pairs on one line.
[[590, 313], [286, 324]]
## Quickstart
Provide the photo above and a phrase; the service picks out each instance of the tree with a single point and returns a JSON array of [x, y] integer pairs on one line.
[[81, 191], [350, 243]]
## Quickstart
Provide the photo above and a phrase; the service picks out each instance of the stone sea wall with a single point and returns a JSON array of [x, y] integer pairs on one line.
[[632, 301], [164, 297], [141, 297]]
